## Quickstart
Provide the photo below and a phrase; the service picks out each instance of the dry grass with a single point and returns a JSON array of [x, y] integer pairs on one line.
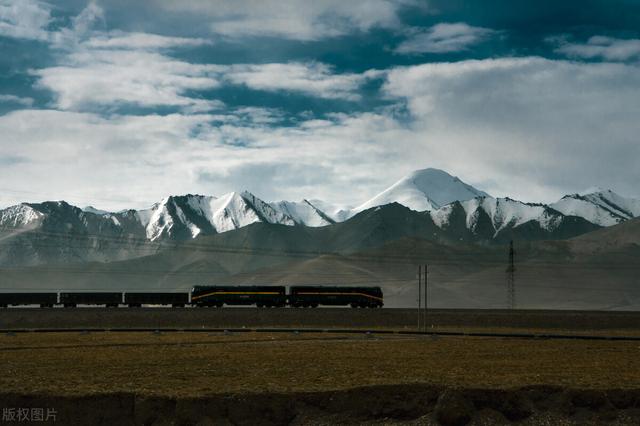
[[196, 364], [541, 331]]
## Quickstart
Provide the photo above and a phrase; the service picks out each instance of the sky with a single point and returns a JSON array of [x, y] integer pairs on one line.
[[118, 104]]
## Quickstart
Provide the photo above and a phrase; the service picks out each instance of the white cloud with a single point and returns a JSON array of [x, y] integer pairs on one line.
[[141, 76], [26, 19], [107, 70], [140, 159], [87, 18], [72, 154], [312, 78], [124, 40], [30, 19], [444, 38], [25, 101], [608, 48], [111, 77], [531, 128], [525, 127], [258, 115], [293, 19]]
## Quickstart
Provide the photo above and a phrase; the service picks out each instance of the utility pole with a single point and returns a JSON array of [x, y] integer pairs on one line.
[[426, 295], [511, 280], [419, 294]]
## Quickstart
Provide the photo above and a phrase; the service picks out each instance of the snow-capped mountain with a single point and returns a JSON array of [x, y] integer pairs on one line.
[[91, 209], [496, 219], [187, 216], [303, 213], [457, 209], [427, 189], [602, 207], [57, 232], [503, 213], [447, 197], [337, 213], [19, 216], [174, 218]]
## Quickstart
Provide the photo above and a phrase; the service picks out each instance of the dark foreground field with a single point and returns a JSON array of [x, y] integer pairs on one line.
[[397, 319], [326, 378]]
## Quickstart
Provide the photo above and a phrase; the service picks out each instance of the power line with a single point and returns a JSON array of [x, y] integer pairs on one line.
[[150, 247]]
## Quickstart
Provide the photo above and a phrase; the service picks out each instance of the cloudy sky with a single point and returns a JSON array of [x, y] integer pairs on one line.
[[119, 103]]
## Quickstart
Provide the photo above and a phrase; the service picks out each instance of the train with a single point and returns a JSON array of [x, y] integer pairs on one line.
[[266, 296]]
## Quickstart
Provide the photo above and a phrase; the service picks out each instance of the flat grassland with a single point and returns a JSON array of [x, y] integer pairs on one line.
[[253, 378], [397, 319], [199, 364]]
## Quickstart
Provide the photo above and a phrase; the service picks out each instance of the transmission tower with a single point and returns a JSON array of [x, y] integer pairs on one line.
[[511, 279]]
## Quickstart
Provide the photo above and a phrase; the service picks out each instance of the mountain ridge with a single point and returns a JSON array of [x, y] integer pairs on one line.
[[376, 248], [181, 218]]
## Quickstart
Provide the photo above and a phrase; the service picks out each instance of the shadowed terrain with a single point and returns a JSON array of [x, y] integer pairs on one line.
[[597, 270]]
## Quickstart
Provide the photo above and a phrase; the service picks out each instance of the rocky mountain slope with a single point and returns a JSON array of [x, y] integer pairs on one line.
[[601, 207], [592, 271], [503, 219], [185, 217], [304, 213], [439, 206]]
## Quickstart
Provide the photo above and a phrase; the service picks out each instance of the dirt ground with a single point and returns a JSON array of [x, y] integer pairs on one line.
[[196, 364], [295, 376], [401, 319]]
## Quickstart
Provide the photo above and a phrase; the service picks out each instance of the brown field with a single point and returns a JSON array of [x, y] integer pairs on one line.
[[196, 364], [300, 377], [604, 322]]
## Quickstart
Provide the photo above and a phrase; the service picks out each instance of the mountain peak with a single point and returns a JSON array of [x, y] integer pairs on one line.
[[91, 209], [19, 215], [429, 171], [303, 212], [593, 190], [600, 206], [425, 189]]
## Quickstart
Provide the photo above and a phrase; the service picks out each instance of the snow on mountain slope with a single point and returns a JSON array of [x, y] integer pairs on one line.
[[496, 214], [189, 215], [601, 207], [446, 197], [303, 213], [19, 216], [427, 189], [156, 219], [266, 211], [231, 211], [505, 212], [337, 213]]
